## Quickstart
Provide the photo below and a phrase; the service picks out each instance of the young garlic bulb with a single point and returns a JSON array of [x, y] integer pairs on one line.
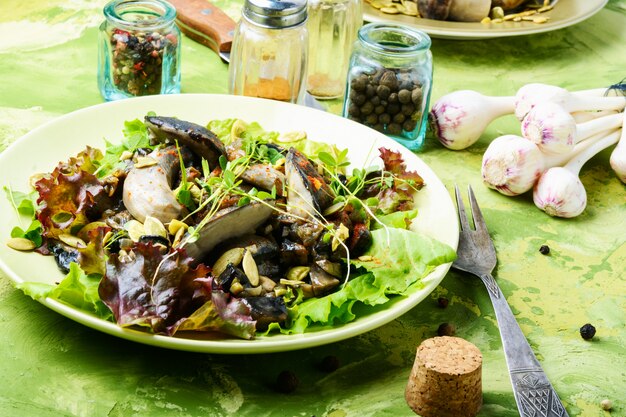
[[462, 116], [532, 94], [555, 131], [559, 191], [618, 156], [512, 164]]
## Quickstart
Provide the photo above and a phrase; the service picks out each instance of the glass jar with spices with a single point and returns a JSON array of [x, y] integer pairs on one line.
[[139, 49], [333, 26], [269, 52], [389, 82]]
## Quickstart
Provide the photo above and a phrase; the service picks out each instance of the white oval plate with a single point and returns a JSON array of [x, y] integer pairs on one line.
[[564, 14], [41, 149]]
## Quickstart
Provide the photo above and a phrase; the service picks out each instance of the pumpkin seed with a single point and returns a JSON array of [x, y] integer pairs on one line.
[[339, 236], [486, 21], [21, 244], [175, 225], [145, 161], [135, 229], [389, 10], [254, 291], [126, 155], [73, 241], [238, 128], [233, 256], [365, 258], [236, 288], [178, 237], [298, 273], [267, 284], [497, 13], [153, 227], [540, 19], [250, 268], [334, 208], [545, 9]]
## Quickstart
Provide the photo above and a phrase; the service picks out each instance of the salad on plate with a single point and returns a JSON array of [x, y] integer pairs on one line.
[[225, 228]]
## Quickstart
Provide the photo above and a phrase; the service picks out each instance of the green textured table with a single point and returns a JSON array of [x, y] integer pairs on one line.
[[52, 366]]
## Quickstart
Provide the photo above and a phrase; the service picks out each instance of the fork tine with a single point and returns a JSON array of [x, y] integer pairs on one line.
[[479, 221], [461, 209]]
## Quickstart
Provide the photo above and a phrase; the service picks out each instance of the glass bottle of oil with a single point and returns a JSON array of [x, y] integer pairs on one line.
[[333, 26]]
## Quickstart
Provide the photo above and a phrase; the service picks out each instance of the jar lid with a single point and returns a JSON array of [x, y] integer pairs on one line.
[[275, 14]]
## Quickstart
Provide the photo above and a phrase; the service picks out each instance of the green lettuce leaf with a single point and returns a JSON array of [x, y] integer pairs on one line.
[[385, 276], [77, 289], [398, 219], [402, 258], [135, 137]]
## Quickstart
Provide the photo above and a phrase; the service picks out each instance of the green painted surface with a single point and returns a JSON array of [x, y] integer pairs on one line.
[[52, 366]]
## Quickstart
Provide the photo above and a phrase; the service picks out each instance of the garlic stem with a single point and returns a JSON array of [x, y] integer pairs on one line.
[[585, 116], [462, 116], [576, 163], [618, 156], [531, 94]]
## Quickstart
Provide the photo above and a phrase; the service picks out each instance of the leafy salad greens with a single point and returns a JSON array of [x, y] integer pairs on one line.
[[247, 232]]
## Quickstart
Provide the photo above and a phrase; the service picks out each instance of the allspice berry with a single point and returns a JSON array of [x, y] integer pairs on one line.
[[389, 80]]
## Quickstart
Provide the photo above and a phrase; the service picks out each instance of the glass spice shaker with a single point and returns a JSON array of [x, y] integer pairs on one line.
[[389, 82], [333, 26], [269, 51], [139, 52]]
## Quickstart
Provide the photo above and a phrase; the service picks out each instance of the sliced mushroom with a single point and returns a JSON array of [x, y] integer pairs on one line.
[[199, 139], [266, 310], [321, 281], [148, 191], [264, 177], [308, 193], [229, 223]]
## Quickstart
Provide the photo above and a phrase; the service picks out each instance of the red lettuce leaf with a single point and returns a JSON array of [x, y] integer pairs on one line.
[[164, 293], [395, 164], [69, 201]]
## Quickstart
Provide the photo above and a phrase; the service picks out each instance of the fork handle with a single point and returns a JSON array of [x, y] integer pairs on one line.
[[534, 394]]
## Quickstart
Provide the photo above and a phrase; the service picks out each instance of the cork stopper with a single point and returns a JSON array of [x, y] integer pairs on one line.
[[446, 379]]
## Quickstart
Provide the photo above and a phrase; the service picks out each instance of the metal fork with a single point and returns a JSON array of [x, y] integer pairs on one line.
[[476, 255]]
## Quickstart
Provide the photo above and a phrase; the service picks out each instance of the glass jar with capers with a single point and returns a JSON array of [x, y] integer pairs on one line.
[[139, 51], [389, 82]]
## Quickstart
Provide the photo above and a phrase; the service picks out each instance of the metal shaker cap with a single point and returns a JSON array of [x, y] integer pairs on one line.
[[275, 14]]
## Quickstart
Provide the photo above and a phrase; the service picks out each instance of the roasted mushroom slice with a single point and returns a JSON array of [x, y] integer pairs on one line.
[[307, 191], [147, 190], [199, 139], [321, 281], [228, 223], [264, 177], [266, 310]]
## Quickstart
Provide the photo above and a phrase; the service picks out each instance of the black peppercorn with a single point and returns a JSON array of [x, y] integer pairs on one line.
[[287, 382], [544, 250], [446, 329], [443, 302], [330, 363], [587, 331]]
